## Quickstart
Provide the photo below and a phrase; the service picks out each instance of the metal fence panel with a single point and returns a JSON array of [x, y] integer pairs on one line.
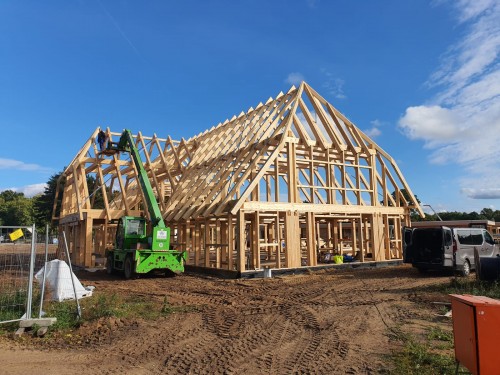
[[20, 258]]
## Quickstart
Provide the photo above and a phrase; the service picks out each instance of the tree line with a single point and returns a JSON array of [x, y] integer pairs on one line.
[[17, 209]]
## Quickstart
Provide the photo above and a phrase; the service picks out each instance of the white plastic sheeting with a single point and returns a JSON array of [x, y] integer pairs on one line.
[[58, 282]]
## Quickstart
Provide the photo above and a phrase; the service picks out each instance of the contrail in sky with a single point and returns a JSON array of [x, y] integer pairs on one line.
[[120, 30]]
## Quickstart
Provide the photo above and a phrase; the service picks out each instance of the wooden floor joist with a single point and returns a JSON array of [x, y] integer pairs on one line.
[[285, 184]]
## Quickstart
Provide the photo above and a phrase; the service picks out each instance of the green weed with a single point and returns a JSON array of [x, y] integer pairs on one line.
[[459, 285], [438, 334], [420, 358], [12, 305]]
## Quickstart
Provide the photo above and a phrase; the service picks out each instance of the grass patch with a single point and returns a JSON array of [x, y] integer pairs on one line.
[[432, 352], [109, 305], [92, 308], [438, 334], [463, 285], [473, 287], [422, 357], [12, 305]]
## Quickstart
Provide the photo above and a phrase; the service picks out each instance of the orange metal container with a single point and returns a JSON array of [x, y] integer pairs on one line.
[[476, 332]]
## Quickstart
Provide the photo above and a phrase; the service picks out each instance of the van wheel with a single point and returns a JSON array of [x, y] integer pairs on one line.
[[466, 269]]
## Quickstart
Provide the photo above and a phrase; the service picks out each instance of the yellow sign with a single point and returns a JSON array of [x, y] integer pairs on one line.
[[18, 233]]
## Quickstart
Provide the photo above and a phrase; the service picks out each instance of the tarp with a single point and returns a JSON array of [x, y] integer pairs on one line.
[[58, 281]]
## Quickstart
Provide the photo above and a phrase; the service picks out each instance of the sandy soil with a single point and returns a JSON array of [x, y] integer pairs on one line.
[[330, 322]]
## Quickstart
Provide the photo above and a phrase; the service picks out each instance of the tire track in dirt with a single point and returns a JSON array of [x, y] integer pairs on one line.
[[329, 322]]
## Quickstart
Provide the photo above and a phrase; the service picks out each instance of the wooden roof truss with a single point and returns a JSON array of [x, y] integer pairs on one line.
[[116, 178], [296, 148]]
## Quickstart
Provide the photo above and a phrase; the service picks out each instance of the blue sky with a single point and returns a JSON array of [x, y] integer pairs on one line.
[[420, 77]]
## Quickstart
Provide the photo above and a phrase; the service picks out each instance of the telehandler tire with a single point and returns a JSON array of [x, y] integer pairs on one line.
[[128, 267]]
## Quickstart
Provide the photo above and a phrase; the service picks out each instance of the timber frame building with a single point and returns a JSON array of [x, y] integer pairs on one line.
[[281, 186]]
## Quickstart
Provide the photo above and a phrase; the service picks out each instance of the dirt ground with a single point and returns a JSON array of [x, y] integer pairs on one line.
[[326, 322]]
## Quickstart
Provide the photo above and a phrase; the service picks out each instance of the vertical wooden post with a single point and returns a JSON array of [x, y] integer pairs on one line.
[[292, 239], [335, 235], [207, 242], [197, 243], [397, 237], [256, 240], [318, 235], [292, 173], [311, 173], [386, 240], [276, 181], [354, 237], [377, 237], [363, 238], [277, 237], [223, 241], [329, 179], [343, 177], [88, 245], [188, 239], [75, 248], [240, 229], [312, 258], [217, 242], [230, 241], [268, 187], [373, 179], [341, 234], [105, 235], [329, 239]]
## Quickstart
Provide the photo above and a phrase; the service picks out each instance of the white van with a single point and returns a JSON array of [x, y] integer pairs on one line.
[[446, 248]]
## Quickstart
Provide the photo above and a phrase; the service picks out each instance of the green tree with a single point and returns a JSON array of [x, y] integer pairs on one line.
[[95, 191], [9, 195], [44, 203], [404, 199], [487, 213], [15, 209]]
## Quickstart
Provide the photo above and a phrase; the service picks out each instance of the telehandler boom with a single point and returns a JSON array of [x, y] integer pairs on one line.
[[137, 250]]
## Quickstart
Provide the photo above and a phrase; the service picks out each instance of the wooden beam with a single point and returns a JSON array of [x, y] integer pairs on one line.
[[241, 245]]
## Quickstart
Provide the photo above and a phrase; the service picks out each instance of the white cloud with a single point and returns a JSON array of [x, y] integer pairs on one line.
[[461, 124], [470, 9], [294, 79], [433, 124], [493, 193], [21, 166], [29, 190], [334, 86], [374, 131]]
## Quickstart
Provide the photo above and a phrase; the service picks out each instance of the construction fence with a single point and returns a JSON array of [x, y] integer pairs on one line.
[[24, 255]]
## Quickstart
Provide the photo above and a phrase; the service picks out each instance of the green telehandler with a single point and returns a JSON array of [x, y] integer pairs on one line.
[[136, 251]]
